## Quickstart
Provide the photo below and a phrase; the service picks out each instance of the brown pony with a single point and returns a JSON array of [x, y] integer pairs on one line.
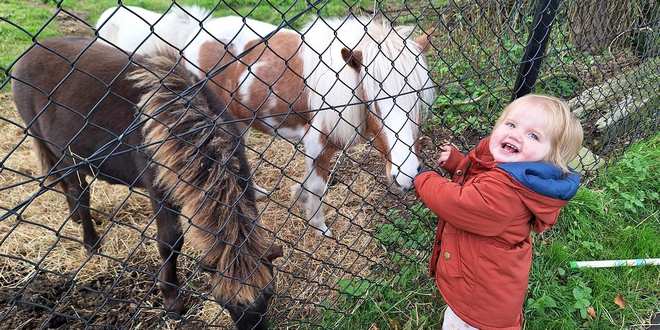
[[93, 112]]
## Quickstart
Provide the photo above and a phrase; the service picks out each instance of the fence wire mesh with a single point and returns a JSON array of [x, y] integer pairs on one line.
[[345, 104]]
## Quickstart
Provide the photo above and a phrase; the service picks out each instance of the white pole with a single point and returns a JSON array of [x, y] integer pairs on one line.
[[615, 263]]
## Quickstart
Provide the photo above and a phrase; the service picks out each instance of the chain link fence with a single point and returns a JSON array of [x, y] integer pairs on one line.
[[343, 110]]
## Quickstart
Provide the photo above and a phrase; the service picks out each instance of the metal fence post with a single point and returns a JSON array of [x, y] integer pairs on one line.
[[535, 50]]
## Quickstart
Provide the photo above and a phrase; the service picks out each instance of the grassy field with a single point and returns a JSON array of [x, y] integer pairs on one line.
[[17, 36], [616, 217]]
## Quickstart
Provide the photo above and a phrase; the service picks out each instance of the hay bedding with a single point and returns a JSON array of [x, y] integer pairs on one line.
[[43, 264]]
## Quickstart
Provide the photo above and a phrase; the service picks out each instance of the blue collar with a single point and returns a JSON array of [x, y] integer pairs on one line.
[[544, 178]]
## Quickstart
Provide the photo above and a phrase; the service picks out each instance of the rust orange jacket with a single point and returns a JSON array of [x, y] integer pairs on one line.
[[482, 252]]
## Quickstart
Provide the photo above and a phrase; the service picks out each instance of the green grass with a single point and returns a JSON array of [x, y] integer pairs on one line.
[[401, 296], [615, 218], [272, 11], [28, 23]]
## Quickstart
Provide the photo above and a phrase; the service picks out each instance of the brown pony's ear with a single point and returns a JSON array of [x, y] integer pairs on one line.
[[274, 252], [352, 57]]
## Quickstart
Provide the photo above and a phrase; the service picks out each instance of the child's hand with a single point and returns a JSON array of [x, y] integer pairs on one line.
[[444, 154]]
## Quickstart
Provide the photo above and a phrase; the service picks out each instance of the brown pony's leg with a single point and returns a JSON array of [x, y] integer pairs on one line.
[[76, 190], [170, 241]]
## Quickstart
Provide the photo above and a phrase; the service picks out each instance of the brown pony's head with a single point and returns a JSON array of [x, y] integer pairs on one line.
[[207, 174], [250, 312]]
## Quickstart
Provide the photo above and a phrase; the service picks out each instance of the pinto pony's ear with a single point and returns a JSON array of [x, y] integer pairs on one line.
[[274, 252], [424, 39], [352, 57]]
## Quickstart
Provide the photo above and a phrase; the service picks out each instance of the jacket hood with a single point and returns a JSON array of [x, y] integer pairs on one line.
[[543, 187], [543, 178]]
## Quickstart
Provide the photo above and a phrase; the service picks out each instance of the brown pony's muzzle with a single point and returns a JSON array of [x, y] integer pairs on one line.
[[250, 315]]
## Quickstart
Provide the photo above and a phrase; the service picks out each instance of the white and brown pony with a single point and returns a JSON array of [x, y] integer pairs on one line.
[[129, 28], [335, 83]]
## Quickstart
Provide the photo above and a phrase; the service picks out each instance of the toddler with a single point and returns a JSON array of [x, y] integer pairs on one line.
[[514, 181]]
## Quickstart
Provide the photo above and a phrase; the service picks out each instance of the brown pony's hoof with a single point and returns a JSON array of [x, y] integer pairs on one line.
[[174, 308], [93, 246]]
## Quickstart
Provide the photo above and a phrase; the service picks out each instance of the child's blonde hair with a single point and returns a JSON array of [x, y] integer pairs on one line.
[[565, 129]]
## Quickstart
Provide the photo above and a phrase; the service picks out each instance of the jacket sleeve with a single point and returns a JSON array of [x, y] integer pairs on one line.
[[455, 158], [479, 207]]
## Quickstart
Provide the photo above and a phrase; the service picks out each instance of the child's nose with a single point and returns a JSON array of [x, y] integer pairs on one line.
[[516, 135]]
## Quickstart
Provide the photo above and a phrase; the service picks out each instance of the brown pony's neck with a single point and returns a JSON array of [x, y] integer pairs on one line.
[[205, 171]]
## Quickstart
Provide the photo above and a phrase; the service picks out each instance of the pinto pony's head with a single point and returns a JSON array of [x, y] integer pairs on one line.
[[396, 85]]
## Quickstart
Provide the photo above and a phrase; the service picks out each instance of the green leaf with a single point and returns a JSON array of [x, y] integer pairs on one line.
[[355, 288], [542, 303], [561, 272]]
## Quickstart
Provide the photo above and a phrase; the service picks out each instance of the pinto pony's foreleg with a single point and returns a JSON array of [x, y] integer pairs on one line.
[[318, 154]]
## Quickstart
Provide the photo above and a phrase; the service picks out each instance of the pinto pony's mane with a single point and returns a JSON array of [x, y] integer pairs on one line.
[[200, 165], [392, 79], [388, 50]]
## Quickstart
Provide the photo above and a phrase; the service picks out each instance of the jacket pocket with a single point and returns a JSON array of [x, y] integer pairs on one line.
[[504, 274], [450, 252], [503, 264]]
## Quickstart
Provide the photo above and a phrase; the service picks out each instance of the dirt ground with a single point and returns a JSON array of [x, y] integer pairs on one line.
[[48, 280]]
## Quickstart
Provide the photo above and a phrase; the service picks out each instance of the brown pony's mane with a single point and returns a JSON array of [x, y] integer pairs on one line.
[[199, 165]]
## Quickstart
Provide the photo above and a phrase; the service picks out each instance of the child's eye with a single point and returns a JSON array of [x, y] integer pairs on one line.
[[533, 136], [509, 124]]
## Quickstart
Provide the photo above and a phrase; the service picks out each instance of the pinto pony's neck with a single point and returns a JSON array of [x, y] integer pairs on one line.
[[392, 80]]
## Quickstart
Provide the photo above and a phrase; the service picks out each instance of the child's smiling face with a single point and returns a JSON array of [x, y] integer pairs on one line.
[[523, 135]]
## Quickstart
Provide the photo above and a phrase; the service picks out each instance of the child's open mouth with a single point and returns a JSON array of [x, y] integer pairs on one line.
[[510, 148]]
